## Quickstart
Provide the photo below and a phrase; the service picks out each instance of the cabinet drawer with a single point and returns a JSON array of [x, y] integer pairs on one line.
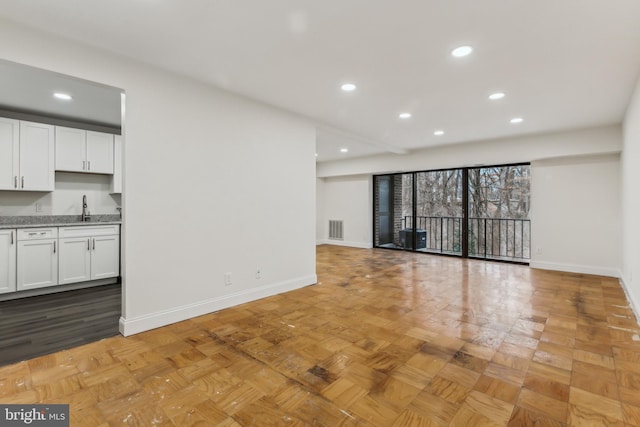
[[37, 233], [90, 231]]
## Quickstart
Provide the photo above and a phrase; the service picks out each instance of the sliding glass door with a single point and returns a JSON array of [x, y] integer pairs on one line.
[[469, 212], [439, 211], [499, 224]]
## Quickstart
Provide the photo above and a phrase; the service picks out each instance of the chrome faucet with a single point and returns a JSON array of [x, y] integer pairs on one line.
[[86, 216]]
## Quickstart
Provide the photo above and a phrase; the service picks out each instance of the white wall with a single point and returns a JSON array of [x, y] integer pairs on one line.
[[349, 199], [556, 191], [320, 220], [575, 214], [598, 140], [214, 183], [66, 199], [631, 200]]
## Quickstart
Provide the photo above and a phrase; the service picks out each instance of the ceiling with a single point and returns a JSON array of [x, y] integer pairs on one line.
[[562, 64], [30, 90]]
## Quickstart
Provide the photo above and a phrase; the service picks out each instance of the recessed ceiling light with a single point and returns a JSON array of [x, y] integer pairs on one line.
[[316, 154], [497, 95], [62, 96], [348, 87], [404, 115], [438, 132], [461, 51], [516, 120], [344, 150]]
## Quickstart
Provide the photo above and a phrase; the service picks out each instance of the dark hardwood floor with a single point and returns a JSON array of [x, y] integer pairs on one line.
[[35, 326]]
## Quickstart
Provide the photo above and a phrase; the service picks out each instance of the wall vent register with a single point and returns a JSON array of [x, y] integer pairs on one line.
[[336, 229]]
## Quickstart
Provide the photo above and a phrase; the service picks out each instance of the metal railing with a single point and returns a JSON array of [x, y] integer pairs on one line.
[[443, 233], [492, 238]]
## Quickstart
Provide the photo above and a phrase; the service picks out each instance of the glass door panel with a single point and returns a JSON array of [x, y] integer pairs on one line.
[[439, 211], [499, 224]]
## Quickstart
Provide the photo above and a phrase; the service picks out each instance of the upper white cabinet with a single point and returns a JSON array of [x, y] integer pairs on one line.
[[80, 150], [8, 244], [71, 149], [99, 152], [9, 153], [27, 156]]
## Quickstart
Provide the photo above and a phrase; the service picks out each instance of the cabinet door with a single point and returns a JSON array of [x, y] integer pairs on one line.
[[37, 262], [116, 181], [37, 157], [105, 257], [99, 152], [7, 261], [71, 149], [74, 260], [9, 155]]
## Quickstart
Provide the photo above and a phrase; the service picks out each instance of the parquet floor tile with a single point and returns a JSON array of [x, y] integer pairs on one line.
[[386, 338]]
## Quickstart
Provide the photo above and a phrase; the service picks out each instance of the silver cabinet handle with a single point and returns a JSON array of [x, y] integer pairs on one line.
[[83, 164], [15, 181], [94, 244], [23, 182], [88, 247], [54, 246], [88, 164], [12, 237]]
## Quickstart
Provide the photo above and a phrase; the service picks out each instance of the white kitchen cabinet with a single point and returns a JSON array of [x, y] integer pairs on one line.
[[37, 258], [74, 263], [116, 181], [9, 153], [89, 253], [27, 156], [99, 152], [79, 150], [37, 156], [71, 149], [8, 244], [105, 257]]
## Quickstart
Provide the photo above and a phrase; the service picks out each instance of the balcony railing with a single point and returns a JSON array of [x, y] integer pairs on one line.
[[492, 238]]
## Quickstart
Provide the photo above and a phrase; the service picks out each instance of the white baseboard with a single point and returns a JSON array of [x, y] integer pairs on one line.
[[146, 322], [361, 245], [632, 303], [575, 268]]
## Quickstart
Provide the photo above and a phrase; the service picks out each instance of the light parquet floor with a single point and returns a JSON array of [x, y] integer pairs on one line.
[[385, 339]]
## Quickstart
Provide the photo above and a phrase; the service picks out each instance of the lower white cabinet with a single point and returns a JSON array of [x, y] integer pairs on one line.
[[105, 258], [8, 245], [75, 260], [32, 258], [37, 258], [89, 253]]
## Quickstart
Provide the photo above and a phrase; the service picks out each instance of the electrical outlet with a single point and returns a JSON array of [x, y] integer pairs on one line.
[[538, 251], [227, 279], [258, 273], [38, 207]]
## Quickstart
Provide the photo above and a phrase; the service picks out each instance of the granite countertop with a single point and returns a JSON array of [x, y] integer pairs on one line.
[[56, 221]]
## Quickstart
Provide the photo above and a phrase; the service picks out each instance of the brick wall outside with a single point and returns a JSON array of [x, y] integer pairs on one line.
[[397, 208]]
